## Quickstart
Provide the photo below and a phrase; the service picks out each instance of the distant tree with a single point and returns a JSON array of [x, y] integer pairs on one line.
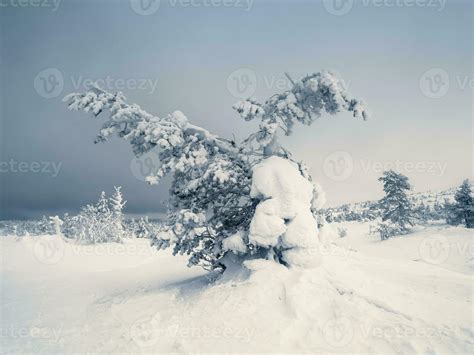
[[56, 222], [103, 204], [462, 210], [117, 203], [396, 207], [143, 228], [98, 223], [45, 226]]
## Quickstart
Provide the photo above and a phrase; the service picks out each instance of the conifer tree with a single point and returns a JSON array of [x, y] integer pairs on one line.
[[396, 207], [213, 196], [462, 210]]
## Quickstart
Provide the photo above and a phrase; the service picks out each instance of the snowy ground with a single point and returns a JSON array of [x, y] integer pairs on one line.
[[408, 294]]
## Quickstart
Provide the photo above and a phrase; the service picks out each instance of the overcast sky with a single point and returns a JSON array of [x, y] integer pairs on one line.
[[411, 64]]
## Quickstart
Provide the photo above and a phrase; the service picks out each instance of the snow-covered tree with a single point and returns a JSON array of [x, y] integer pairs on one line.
[[117, 203], [395, 206], [143, 228], [45, 226], [217, 203], [102, 205], [462, 210], [56, 222]]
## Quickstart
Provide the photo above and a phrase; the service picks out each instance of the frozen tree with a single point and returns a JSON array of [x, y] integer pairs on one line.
[[102, 205], [462, 210], [215, 208], [98, 223], [143, 228], [45, 226], [56, 222], [395, 206], [117, 203]]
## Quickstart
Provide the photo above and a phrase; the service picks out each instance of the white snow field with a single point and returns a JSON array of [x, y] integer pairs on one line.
[[411, 294]]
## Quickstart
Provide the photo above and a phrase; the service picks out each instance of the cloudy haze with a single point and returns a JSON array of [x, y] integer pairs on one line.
[[411, 64]]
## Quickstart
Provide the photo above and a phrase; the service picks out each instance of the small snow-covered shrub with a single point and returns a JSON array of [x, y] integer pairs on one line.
[[388, 230], [219, 202], [342, 232], [99, 223]]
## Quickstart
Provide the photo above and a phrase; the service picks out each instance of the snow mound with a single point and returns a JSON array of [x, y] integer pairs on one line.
[[283, 218]]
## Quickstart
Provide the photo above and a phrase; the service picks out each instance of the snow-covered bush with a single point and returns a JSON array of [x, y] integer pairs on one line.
[[144, 229], [45, 227], [218, 205], [342, 232], [387, 230], [99, 223]]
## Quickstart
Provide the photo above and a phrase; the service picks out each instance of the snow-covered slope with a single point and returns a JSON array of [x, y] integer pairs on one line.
[[410, 294], [431, 199]]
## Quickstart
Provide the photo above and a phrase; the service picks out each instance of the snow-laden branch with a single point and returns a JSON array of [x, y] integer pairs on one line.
[[304, 102], [179, 141]]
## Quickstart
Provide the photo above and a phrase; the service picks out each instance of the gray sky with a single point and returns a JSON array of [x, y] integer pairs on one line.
[[411, 64]]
